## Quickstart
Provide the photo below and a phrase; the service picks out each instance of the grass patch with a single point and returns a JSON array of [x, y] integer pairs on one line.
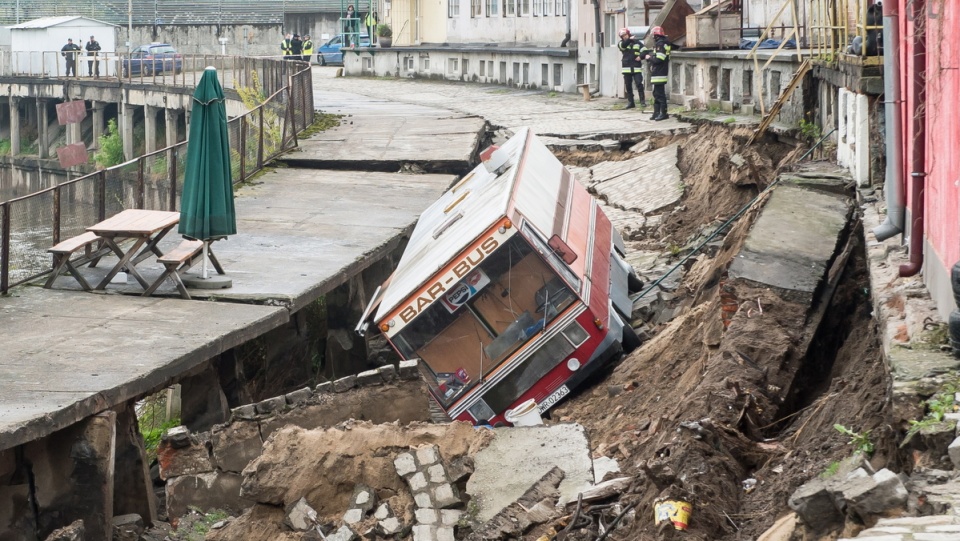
[[321, 122], [831, 470], [151, 417], [196, 524]]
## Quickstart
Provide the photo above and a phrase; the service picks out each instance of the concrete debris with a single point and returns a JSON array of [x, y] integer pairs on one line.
[[343, 385], [408, 369], [177, 437], [127, 527], [640, 147], [954, 452], [426, 476], [299, 397], [73, 532], [300, 516], [875, 494], [211, 490], [361, 503], [369, 377], [531, 508], [821, 504], [181, 453], [271, 405], [607, 489], [815, 506], [343, 534], [646, 183], [235, 445]]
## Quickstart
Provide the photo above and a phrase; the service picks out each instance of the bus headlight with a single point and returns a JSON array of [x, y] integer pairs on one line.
[[573, 364]]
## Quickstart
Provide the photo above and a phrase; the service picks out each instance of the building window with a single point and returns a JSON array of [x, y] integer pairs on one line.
[[453, 8], [509, 7], [453, 65], [557, 74], [524, 7], [493, 8], [547, 7], [562, 10], [476, 8], [544, 74], [537, 8], [483, 68]]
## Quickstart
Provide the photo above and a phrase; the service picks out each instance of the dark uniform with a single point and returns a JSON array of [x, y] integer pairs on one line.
[[296, 47], [93, 53], [69, 51], [659, 73], [632, 66]]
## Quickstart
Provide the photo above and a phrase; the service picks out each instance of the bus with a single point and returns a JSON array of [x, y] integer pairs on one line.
[[512, 287]]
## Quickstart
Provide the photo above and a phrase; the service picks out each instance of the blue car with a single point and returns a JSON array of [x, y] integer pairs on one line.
[[329, 52], [153, 58]]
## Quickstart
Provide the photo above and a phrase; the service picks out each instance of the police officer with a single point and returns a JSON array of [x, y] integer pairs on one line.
[[69, 51], [659, 60], [631, 66], [307, 48], [370, 21], [286, 48], [93, 53]]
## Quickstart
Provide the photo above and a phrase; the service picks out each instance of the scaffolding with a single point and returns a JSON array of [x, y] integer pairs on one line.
[[836, 24], [364, 23]]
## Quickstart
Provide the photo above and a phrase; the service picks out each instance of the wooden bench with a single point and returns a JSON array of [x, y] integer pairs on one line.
[[180, 260], [64, 250]]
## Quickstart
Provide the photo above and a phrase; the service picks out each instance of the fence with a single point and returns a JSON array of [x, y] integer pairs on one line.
[[31, 224]]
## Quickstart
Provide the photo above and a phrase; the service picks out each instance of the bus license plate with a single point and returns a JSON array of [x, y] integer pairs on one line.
[[555, 397]]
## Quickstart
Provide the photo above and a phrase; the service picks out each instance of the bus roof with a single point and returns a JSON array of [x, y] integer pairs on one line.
[[479, 199]]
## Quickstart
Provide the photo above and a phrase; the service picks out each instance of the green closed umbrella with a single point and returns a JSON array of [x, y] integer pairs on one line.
[[206, 206]]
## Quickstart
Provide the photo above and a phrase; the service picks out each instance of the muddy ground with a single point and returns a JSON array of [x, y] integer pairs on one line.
[[723, 406]]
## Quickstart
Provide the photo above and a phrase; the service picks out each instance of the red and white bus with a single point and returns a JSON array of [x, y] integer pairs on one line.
[[512, 287]]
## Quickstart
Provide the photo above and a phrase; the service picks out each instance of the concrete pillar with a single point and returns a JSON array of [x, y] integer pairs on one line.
[[98, 124], [202, 401], [171, 117], [132, 486], [149, 128], [42, 121], [14, 126], [73, 474], [126, 130]]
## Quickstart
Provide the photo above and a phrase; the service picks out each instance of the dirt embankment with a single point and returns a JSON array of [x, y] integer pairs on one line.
[[733, 413]]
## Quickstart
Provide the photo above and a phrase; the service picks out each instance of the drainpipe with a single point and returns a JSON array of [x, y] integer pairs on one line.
[[892, 185], [566, 38], [917, 174], [599, 39]]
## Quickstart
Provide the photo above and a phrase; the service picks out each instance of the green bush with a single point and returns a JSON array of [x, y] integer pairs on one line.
[[111, 147]]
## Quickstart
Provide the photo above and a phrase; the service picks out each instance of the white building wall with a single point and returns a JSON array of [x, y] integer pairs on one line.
[[853, 127], [492, 25], [36, 51]]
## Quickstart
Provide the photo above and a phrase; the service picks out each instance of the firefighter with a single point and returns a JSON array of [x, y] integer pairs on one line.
[[659, 60], [286, 46], [307, 48], [632, 66]]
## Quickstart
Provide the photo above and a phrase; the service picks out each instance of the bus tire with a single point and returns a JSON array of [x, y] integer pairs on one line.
[[631, 340], [634, 283]]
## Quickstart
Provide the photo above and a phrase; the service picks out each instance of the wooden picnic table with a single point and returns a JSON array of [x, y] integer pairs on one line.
[[145, 227]]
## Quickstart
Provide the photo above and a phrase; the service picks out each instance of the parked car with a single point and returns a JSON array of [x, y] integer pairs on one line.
[[153, 58], [329, 52]]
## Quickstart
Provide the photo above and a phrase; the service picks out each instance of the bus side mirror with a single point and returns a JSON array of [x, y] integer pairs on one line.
[[562, 249]]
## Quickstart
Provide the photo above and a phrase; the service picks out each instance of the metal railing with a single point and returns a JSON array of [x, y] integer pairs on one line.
[[834, 25], [31, 224]]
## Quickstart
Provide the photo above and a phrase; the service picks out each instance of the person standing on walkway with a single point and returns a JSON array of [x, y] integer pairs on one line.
[[351, 27], [631, 65], [659, 60], [69, 51], [286, 47], [296, 47], [370, 21], [93, 55], [307, 49]]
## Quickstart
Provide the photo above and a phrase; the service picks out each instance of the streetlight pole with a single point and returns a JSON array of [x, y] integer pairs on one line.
[[129, 24]]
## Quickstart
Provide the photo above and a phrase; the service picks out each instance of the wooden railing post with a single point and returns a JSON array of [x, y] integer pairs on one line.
[[172, 171], [243, 148], [4, 247], [141, 188], [260, 141], [56, 215]]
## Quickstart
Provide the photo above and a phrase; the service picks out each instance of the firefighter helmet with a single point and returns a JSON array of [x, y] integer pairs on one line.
[[623, 32], [657, 31]]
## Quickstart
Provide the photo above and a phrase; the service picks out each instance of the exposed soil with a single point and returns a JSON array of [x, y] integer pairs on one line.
[[732, 418]]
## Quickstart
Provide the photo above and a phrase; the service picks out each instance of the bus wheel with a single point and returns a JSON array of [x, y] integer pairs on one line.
[[634, 283], [631, 340]]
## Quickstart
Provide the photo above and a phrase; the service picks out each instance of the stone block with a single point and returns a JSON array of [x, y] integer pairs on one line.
[[408, 369], [445, 496], [388, 372], [450, 517], [460, 469], [178, 437], [236, 445], [74, 532], [423, 499], [272, 405], [426, 515], [300, 516], [815, 506], [343, 385], [343, 534], [368, 378], [127, 527], [954, 451], [389, 526], [364, 498], [445, 533], [437, 474], [353, 516], [299, 397], [189, 460], [325, 387], [417, 482], [405, 464], [874, 495], [383, 512], [427, 455], [424, 532], [244, 413], [215, 490]]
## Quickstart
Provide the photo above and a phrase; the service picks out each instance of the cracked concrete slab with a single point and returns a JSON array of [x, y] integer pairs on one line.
[[646, 183]]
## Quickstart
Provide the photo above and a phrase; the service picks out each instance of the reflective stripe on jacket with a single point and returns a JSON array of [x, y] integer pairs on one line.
[[630, 49], [286, 47], [660, 61], [307, 48]]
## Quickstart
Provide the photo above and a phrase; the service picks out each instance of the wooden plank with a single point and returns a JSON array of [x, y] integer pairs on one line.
[[75, 243], [181, 253], [136, 222], [775, 110]]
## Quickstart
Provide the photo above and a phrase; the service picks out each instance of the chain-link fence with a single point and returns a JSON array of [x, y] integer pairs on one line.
[[31, 224]]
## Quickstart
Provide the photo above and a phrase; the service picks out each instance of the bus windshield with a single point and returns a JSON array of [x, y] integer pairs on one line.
[[507, 300]]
